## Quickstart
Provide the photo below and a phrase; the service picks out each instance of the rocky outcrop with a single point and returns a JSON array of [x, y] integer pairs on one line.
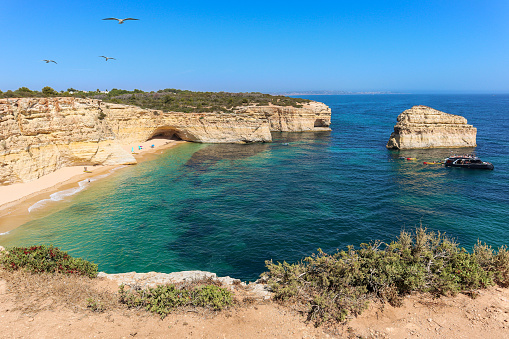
[[152, 279], [425, 127], [41, 135], [314, 116]]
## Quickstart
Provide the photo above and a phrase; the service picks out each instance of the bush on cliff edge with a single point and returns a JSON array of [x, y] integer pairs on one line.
[[333, 287], [165, 298], [39, 259]]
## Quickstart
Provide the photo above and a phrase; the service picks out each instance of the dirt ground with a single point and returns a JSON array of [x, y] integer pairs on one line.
[[34, 307]]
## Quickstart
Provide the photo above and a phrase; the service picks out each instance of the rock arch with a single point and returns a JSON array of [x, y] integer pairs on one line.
[[167, 132]]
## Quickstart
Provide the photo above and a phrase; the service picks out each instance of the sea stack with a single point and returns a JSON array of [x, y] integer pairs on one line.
[[425, 127]]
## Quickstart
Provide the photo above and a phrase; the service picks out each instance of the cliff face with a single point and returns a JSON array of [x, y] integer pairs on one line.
[[39, 136], [425, 127], [314, 116]]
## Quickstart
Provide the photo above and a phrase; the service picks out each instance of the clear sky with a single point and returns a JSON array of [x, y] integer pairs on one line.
[[266, 46]]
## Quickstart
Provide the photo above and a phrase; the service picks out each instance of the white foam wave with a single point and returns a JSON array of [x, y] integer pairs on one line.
[[58, 196], [4, 233], [117, 168]]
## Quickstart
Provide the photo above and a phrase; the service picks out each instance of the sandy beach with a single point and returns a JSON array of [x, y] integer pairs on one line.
[[17, 198]]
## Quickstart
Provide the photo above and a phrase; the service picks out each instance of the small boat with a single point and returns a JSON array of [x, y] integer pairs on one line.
[[432, 163], [467, 161]]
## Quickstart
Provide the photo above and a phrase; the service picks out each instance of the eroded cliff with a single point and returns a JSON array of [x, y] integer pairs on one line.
[[39, 136], [425, 127]]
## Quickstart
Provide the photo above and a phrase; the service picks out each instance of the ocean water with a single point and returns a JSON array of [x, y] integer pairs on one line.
[[228, 208]]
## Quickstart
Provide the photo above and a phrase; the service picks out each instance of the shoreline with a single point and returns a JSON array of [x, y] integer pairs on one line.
[[16, 199]]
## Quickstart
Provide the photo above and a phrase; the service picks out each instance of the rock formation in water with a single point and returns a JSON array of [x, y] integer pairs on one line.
[[425, 127], [39, 136]]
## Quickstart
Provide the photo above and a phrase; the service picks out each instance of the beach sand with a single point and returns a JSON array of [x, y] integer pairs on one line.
[[17, 198]]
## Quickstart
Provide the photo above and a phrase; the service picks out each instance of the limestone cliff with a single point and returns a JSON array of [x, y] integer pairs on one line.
[[314, 116], [425, 127], [39, 136]]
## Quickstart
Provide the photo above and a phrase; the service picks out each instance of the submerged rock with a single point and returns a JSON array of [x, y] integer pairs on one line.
[[425, 127]]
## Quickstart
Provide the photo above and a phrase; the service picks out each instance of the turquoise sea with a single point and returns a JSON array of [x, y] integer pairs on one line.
[[228, 208]]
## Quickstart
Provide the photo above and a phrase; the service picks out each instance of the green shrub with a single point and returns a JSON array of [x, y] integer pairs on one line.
[[49, 92], [169, 99], [37, 259], [95, 305], [495, 263], [166, 298], [173, 100], [333, 287], [212, 296]]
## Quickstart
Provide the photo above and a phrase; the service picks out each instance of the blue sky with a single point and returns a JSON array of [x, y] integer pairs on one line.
[[267, 46]]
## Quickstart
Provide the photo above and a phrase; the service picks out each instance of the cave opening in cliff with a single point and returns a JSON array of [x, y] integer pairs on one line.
[[320, 123], [166, 133]]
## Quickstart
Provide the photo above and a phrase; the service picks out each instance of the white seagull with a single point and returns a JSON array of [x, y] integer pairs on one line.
[[120, 21], [106, 58], [48, 61]]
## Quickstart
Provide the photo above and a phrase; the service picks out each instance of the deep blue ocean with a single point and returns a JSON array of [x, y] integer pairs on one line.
[[228, 208]]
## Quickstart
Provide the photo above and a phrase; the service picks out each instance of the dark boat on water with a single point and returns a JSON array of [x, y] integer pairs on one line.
[[467, 161]]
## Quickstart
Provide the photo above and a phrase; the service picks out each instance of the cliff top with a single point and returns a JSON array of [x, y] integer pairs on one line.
[[169, 99], [421, 114], [33, 305]]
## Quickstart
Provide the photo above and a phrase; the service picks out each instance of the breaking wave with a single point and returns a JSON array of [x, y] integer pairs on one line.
[[58, 196]]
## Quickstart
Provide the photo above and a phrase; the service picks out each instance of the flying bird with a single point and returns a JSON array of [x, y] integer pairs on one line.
[[120, 21], [106, 58], [48, 61]]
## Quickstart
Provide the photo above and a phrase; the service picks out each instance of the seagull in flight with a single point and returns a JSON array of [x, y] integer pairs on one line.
[[48, 61], [106, 58], [120, 21]]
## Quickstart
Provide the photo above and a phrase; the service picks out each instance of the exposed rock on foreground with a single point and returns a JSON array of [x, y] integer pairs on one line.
[[425, 127], [153, 279], [39, 136]]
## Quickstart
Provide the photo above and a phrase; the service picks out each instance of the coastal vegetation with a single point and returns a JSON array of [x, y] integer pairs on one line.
[[165, 298], [49, 259], [167, 100], [332, 288], [328, 288], [21, 264]]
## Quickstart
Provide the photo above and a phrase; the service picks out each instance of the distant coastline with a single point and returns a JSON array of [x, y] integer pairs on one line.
[[333, 93]]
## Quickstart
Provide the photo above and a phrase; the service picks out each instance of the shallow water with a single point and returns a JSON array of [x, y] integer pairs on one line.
[[228, 208]]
